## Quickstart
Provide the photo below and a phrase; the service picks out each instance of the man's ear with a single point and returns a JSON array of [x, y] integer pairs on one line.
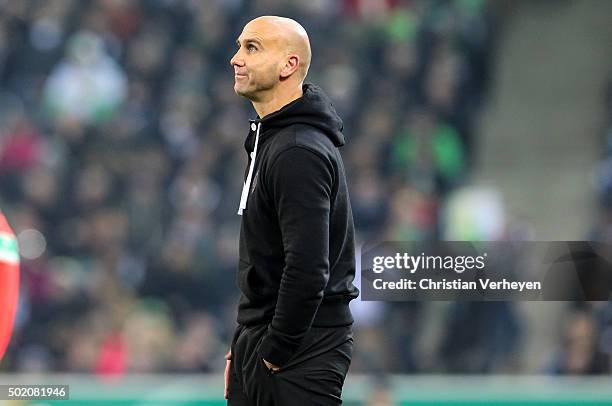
[[291, 65]]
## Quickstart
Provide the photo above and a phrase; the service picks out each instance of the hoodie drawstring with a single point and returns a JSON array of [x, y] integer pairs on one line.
[[247, 184]]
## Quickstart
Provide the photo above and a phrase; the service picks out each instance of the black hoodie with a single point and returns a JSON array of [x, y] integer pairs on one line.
[[297, 253]]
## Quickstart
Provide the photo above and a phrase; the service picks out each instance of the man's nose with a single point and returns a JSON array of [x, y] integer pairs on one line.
[[236, 60]]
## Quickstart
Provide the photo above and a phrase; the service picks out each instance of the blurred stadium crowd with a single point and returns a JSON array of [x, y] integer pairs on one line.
[[121, 161]]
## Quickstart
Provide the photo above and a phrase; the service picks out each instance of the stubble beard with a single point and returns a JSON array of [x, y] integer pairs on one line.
[[254, 89]]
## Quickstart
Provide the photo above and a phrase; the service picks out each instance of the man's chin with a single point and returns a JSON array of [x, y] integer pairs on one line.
[[243, 92]]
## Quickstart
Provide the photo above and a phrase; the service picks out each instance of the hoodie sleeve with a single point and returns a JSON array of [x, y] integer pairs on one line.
[[301, 185]]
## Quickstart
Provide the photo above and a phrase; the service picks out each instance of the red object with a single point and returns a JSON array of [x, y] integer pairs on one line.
[[112, 360], [9, 282], [21, 149]]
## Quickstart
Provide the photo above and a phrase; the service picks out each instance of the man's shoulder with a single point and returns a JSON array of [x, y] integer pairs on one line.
[[304, 136]]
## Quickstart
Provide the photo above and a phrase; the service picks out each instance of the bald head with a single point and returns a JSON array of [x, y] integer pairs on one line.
[[271, 62], [288, 35]]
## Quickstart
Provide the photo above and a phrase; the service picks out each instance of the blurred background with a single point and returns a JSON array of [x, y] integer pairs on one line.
[[121, 154]]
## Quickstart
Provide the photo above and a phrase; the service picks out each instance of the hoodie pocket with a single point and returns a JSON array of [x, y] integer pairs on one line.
[[250, 285]]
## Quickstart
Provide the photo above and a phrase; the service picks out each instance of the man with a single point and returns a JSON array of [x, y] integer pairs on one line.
[[294, 342]]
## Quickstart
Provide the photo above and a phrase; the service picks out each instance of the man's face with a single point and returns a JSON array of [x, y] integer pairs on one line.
[[257, 62]]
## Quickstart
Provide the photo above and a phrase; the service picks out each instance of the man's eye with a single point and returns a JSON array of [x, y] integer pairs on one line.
[[252, 48]]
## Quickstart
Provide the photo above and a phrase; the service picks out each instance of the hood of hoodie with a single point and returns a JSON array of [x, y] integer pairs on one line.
[[314, 108]]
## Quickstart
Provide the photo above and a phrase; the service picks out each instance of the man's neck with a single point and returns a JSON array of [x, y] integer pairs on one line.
[[277, 101]]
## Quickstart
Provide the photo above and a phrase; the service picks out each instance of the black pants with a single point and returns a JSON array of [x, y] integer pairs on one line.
[[313, 376]]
